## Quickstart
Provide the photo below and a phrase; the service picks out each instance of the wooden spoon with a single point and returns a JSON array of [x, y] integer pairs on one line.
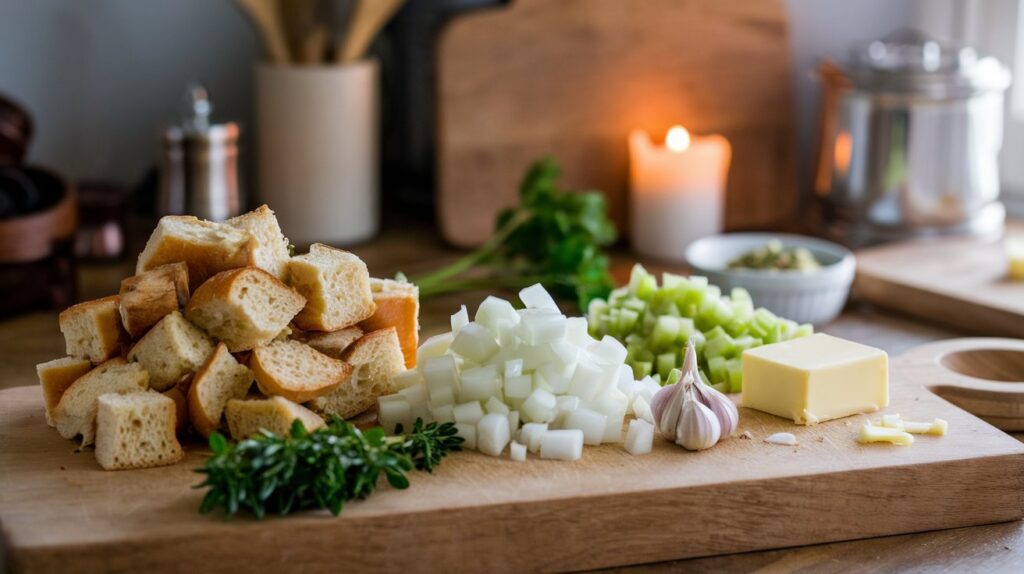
[[369, 17], [264, 15]]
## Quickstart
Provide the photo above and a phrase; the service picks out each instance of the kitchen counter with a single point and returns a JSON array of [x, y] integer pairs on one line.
[[34, 338]]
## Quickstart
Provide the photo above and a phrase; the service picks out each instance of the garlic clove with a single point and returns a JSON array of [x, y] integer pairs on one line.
[[698, 427], [723, 407], [665, 406]]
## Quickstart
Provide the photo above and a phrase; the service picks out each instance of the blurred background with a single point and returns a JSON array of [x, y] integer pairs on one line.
[[114, 88]]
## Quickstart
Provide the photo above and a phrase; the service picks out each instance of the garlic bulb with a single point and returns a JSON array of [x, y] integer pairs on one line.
[[726, 412], [682, 419]]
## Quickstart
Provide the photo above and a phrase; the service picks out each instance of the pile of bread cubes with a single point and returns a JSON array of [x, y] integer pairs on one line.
[[213, 308]]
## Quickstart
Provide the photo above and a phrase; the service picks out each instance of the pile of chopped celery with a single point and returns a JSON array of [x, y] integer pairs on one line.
[[655, 324]]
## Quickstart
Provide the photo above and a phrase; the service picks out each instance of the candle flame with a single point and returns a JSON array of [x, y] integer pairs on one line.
[[677, 139]]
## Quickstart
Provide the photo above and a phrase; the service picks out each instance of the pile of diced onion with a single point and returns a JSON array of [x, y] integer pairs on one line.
[[531, 379]]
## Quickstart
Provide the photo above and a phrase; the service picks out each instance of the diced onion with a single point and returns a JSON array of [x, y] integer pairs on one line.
[[562, 444], [492, 434]]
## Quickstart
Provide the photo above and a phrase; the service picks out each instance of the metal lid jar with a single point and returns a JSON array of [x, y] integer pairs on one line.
[[910, 135]]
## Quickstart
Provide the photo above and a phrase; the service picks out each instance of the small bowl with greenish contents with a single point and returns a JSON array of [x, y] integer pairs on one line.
[[798, 277]]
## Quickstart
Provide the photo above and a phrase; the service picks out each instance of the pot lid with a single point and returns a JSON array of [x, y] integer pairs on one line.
[[908, 61]]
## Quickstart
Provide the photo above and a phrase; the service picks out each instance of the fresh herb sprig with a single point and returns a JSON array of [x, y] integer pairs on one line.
[[315, 470], [554, 237]]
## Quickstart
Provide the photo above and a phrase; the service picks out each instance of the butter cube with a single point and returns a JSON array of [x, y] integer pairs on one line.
[[815, 379], [1015, 257]]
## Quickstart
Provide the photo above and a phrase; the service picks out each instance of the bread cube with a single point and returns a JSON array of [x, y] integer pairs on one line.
[[220, 379], [398, 306], [270, 250], [276, 414], [136, 431], [296, 371], [207, 248], [92, 329], [75, 414], [375, 358], [149, 296], [331, 343], [336, 286], [170, 350], [244, 308], [55, 377], [176, 394]]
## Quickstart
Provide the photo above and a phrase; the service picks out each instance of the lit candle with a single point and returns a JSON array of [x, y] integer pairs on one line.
[[677, 191]]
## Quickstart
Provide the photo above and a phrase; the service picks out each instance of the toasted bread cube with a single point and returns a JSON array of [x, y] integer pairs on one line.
[[149, 296], [55, 377], [170, 350], [270, 252], [244, 308], [177, 395], [75, 414], [92, 329], [331, 343], [398, 306], [220, 379], [136, 431], [206, 247], [296, 371], [276, 414], [336, 286], [375, 359]]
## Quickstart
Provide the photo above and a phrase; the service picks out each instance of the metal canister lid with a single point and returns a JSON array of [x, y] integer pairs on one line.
[[195, 123], [908, 61]]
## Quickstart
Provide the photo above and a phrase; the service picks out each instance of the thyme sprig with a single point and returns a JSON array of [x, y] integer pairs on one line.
[[316, 470]]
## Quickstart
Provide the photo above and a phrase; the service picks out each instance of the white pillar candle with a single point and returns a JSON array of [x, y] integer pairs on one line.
[[677, 191]]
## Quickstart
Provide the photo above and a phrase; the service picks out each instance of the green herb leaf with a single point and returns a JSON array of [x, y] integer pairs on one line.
[[553, 237]]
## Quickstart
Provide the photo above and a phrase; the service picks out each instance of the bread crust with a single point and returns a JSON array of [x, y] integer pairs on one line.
[[107, 329], [330, 343], [262, 368], [204, 422], [204, 260], [150, 296], [218, 289], [398, 306]]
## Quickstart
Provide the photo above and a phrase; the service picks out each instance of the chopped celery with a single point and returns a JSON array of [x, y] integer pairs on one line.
[[666, 363], [641, 369], [655, 324]]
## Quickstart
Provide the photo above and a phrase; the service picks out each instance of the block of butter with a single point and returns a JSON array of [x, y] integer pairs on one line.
[[816, 378], [1015, 257]]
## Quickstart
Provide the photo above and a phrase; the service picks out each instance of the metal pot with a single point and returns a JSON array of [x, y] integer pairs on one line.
[[910, 137]]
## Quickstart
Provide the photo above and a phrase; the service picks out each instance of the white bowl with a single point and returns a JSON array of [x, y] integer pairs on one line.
[[816, 297]]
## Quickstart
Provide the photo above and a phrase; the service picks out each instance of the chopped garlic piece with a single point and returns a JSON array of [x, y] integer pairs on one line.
[[892, 421], [870, 433], [783, 438], [938, 427]]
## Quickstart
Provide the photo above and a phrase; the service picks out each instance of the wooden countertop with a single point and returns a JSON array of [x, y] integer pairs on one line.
[[34, 338]]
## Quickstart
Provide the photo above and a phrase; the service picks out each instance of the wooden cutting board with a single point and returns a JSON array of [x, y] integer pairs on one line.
[[959, 281], [572, 78], [60, 512]]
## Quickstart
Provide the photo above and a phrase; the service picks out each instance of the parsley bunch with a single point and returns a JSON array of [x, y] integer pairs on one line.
[[554, 237], [316, 470]]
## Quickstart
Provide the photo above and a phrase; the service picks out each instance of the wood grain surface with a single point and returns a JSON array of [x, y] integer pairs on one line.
[[481, 513], [984, 376], [958, 281], [572, 78]]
